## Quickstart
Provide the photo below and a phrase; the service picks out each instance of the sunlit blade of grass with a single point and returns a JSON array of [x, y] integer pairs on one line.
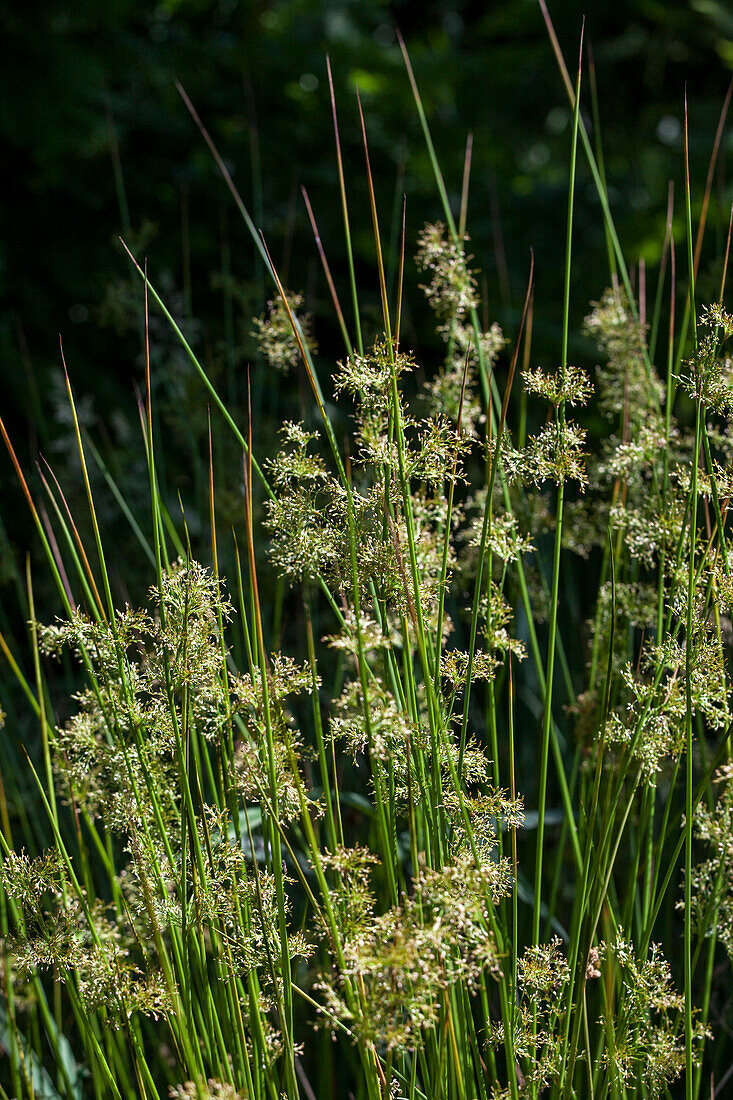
[[720, 130], [55, 550], [554, 597], [220, 618], [592, 163], [37, 520], [76, 548], [285, 1004], [333, 806], [489, 386], [327, 272], [224, 171], [90, 500], [345, 214], [486, 525], [582, 937], [428, 139], [463, 214], [400, 277], [446, 548], [689, 311], [41, 696], [396, 223], [375, 226], [721, 295], [119, 498], [312, 376], [699, 413], [256, 234], [596, 115], [190, 353], [666, 247]]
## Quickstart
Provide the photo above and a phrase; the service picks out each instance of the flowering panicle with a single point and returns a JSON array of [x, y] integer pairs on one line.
[[648, 1048], [454, 667], [81, 941], [403, 959], [389, 737], [272, 745], [370, 633], [651, 722], [650, 528], [635, 604], [152, 675], [350, 892], [452, 295], [307, 511], [454, 389], [274, 333], [496, 616], [626, 381], [28, 880], [452, 392], [368, 378], [466, 346], [708, 376], [571, 385], [506, 538], [555, 453], [484, 812], [451, 291], [542, 978], [712, 892], [213, 1090]]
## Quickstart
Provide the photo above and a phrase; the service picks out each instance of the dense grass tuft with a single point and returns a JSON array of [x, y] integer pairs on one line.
[[454, 844]]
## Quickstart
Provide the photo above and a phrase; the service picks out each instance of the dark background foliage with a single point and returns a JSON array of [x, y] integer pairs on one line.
[[97, 142]]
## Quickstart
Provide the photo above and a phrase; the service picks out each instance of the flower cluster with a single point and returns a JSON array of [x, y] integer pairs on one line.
[[276, 340], [627, 381], [712, 900], [651, 723], [571, 385], [402, 961], [555, 453], [542, 978], [708, 376], [452, 288], [649, 1044]]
